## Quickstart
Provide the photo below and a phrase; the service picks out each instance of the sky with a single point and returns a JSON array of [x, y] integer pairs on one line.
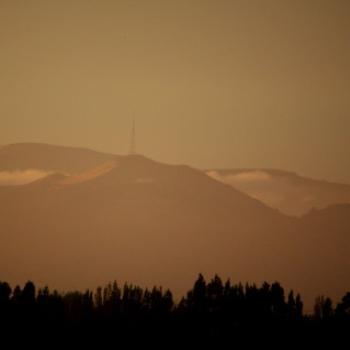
[[213, 84]]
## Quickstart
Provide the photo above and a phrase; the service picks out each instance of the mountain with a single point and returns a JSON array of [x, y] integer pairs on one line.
[[135, 219], [136, 208], [286, 191], [71, 160]]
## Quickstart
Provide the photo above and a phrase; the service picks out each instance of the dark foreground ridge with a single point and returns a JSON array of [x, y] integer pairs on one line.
[[210, 312]]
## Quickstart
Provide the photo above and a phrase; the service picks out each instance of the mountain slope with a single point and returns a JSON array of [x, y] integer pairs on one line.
[[288, 192]]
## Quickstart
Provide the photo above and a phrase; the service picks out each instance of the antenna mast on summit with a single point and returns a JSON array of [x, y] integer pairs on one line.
[[133, 138]]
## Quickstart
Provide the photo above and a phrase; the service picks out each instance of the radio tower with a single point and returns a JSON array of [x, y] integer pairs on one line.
[[133, 138]]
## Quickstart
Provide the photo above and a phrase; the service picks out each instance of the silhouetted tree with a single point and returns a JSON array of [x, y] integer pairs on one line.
[[343, 308], [323, 309], [215, 292], [197, 297], [298, 308], [98, 298], [5, 292], [115, 298], [291, 306], [277, 301], [212, 310]]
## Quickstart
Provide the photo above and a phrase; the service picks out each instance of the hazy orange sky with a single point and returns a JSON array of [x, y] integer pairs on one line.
[[210, 83]]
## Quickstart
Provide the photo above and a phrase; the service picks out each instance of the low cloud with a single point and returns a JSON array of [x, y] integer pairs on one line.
[[257, 184], [21, 177], [277, 192], [243, 177]]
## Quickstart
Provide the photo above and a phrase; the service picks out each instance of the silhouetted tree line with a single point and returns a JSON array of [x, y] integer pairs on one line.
[[210, 310]]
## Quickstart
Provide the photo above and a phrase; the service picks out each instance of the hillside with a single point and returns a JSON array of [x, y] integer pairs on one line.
[[290, 193]]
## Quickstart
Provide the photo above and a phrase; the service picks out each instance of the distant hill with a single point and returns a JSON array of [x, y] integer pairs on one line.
[[71, 160], [132, 218], [286, 191]]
